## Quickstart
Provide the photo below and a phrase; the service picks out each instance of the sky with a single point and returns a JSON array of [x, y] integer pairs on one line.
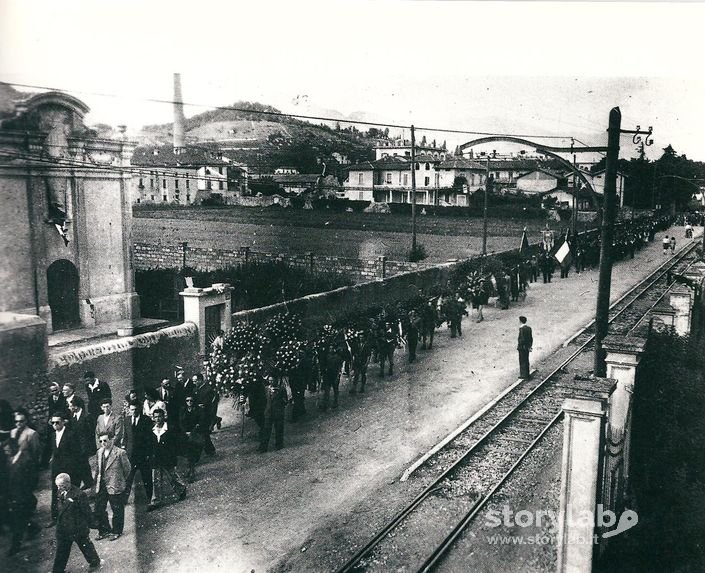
[[530, 68]]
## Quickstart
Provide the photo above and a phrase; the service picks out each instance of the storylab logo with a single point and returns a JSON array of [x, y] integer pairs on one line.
[[605, 520]]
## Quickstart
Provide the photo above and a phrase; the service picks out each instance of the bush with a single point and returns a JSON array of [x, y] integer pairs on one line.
[[417, 253], [256, 285]]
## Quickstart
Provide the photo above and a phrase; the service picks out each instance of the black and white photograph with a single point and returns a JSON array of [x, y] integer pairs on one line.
[[385, 286]]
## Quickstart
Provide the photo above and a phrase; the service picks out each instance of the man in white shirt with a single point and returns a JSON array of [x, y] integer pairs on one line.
[[109, 421]]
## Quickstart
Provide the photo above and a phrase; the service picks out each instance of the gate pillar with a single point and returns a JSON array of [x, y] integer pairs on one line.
[[210, 309]]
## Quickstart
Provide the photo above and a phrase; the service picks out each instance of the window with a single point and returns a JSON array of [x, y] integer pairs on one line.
[[188, 184], [428, 166], [438, 179], [151, 183], [220, 170], [209, 184], [406, 179], [389, 177], [472, 179], [359, 178], [176, 183], [360, 195], [188, 197], [418, 167], [163, 197], [220, 185], [138, 199], [407, 153], [141, 183], [163, 183], [152, 197], [426, 181]]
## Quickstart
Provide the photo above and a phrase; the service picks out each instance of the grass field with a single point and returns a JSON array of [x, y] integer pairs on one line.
[[354, 235]]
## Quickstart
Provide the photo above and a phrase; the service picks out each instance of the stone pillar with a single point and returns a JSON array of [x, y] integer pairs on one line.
[[623, 356], [210, 309], [664, 317], [681, 301], [381, 267], [582, 445]]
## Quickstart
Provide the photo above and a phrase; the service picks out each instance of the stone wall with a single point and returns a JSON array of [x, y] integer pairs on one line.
[[321, 308], [150, 256], [130, 362]]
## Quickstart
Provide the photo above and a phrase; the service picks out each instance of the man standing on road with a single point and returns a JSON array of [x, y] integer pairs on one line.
[[164, 444], [74, 517], [111, 485], [525, 343]]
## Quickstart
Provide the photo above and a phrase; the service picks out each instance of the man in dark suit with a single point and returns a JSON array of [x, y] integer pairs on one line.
[[97, 391], [524, 346], [163, 453], [73, 525], [205, 399], [82, 427], [65, 457], [56, 404], [138, 433]]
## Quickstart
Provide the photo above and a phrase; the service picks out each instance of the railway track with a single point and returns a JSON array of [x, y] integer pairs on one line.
[[476, 463]]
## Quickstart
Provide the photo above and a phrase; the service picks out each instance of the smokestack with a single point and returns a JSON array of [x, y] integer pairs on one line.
[[179, 118]]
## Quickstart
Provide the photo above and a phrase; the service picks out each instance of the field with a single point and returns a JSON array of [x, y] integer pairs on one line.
[[353, 235]]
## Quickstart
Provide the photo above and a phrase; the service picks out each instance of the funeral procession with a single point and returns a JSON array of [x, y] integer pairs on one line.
[[273, 303]]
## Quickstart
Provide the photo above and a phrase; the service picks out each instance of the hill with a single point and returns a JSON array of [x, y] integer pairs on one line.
[[265, 142]]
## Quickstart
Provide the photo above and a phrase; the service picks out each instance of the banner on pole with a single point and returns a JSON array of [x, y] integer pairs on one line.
[[563, 252]]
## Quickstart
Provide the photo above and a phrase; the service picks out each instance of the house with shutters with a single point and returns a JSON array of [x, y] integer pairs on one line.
[[439, 181], [185, 175]]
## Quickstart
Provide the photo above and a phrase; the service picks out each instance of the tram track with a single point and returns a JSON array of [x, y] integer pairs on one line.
[[476, 463]]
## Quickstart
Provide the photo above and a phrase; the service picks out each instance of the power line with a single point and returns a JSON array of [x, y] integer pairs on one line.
[[291, 115]]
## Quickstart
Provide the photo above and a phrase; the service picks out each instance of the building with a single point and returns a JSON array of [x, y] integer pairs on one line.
[[539, 181], [296, 183], [598, 182], [185, 176], [402, 148], [438, 181], [66, 216]]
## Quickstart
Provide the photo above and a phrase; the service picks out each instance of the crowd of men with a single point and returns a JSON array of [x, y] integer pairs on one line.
[[91, 447], [348, 348]]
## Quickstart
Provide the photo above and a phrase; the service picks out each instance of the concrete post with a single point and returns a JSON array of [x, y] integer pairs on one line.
[[382, 267], [623, 356], [245, 253], [197, 300], [664, 315], [582, 445], [681, 299]]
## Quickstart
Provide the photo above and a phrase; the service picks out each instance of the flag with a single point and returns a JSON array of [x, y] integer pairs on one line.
[[524, 246], [563, 255]]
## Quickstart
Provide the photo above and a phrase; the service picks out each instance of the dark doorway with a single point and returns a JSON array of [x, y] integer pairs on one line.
[[214, 315], [62, 286]]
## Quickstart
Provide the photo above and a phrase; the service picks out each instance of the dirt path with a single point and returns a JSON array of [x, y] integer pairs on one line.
[[303, 508]]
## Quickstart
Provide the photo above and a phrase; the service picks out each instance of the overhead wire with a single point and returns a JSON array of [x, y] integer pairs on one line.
[[290, 115]]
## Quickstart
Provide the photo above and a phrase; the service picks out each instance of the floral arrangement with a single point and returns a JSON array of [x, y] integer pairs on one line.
[[283, 327], [288, 356]]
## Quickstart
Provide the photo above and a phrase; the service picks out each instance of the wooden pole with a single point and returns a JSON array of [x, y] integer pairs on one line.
[[607, 233]]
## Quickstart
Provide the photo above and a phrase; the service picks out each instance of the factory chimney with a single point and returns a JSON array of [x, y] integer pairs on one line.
[[179, 118]]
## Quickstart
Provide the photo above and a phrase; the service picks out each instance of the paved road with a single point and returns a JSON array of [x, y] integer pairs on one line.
[[255, 511]]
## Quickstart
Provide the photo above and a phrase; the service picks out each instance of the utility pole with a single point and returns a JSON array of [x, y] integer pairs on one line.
[[575, 197], [484, 209], [606, 235], [413, 191]]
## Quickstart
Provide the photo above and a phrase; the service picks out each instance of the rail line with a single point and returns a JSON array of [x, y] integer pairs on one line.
[[493, 447]]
